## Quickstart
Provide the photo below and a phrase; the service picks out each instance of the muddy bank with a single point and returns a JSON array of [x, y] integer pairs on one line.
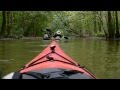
[[23, 38]]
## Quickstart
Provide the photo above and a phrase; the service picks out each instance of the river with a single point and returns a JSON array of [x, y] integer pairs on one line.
[[101, 57]]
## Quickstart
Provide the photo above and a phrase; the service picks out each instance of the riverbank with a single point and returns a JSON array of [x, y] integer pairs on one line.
[[23, 38], [40, 38], [100, 38]]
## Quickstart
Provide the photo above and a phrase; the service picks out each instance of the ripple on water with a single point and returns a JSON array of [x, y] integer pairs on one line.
[[6, 60], [43, 45]]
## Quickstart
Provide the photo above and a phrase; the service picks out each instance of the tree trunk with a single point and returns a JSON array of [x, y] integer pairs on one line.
[[110, 26], [94, 20], [8, 23], [2, 32], [117, 35], [99, 22]]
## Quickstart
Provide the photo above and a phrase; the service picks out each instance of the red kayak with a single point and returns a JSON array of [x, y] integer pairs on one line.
[[52, 63]]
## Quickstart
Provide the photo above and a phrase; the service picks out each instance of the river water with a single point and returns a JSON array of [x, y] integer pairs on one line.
[[101, 57]]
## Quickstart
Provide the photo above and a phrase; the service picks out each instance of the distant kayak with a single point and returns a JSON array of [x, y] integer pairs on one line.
[[46, 38], [51, 63]]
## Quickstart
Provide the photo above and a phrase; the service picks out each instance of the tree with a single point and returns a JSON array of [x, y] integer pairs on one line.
[[2, 33], [9, 20], [6, 23], [110, 26], [117, 35]]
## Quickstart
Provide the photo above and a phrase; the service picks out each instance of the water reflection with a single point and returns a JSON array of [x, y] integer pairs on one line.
[[4, 57], [3, 50], [113, 46], [112, 60]]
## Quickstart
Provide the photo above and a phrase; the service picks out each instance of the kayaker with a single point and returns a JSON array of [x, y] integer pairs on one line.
[[58, 35], [46, 36], [49, 32]]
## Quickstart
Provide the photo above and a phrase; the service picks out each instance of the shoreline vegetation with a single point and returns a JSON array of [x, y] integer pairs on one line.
[[85, 24]]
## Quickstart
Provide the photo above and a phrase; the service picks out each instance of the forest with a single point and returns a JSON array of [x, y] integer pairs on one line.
[[19, 24]]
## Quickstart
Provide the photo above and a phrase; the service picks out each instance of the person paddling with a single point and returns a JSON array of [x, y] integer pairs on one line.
[[46, 37], [58, 35]]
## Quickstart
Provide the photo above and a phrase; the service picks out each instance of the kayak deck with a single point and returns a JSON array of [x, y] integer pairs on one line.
[[53, 57]]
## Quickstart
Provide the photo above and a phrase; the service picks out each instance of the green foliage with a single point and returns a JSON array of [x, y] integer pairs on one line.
[[77, 23]]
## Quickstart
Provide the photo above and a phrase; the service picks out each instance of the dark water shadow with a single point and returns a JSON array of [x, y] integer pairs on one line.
[[112, 59]]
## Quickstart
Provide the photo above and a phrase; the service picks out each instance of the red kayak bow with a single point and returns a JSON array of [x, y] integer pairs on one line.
[[53, 57]]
